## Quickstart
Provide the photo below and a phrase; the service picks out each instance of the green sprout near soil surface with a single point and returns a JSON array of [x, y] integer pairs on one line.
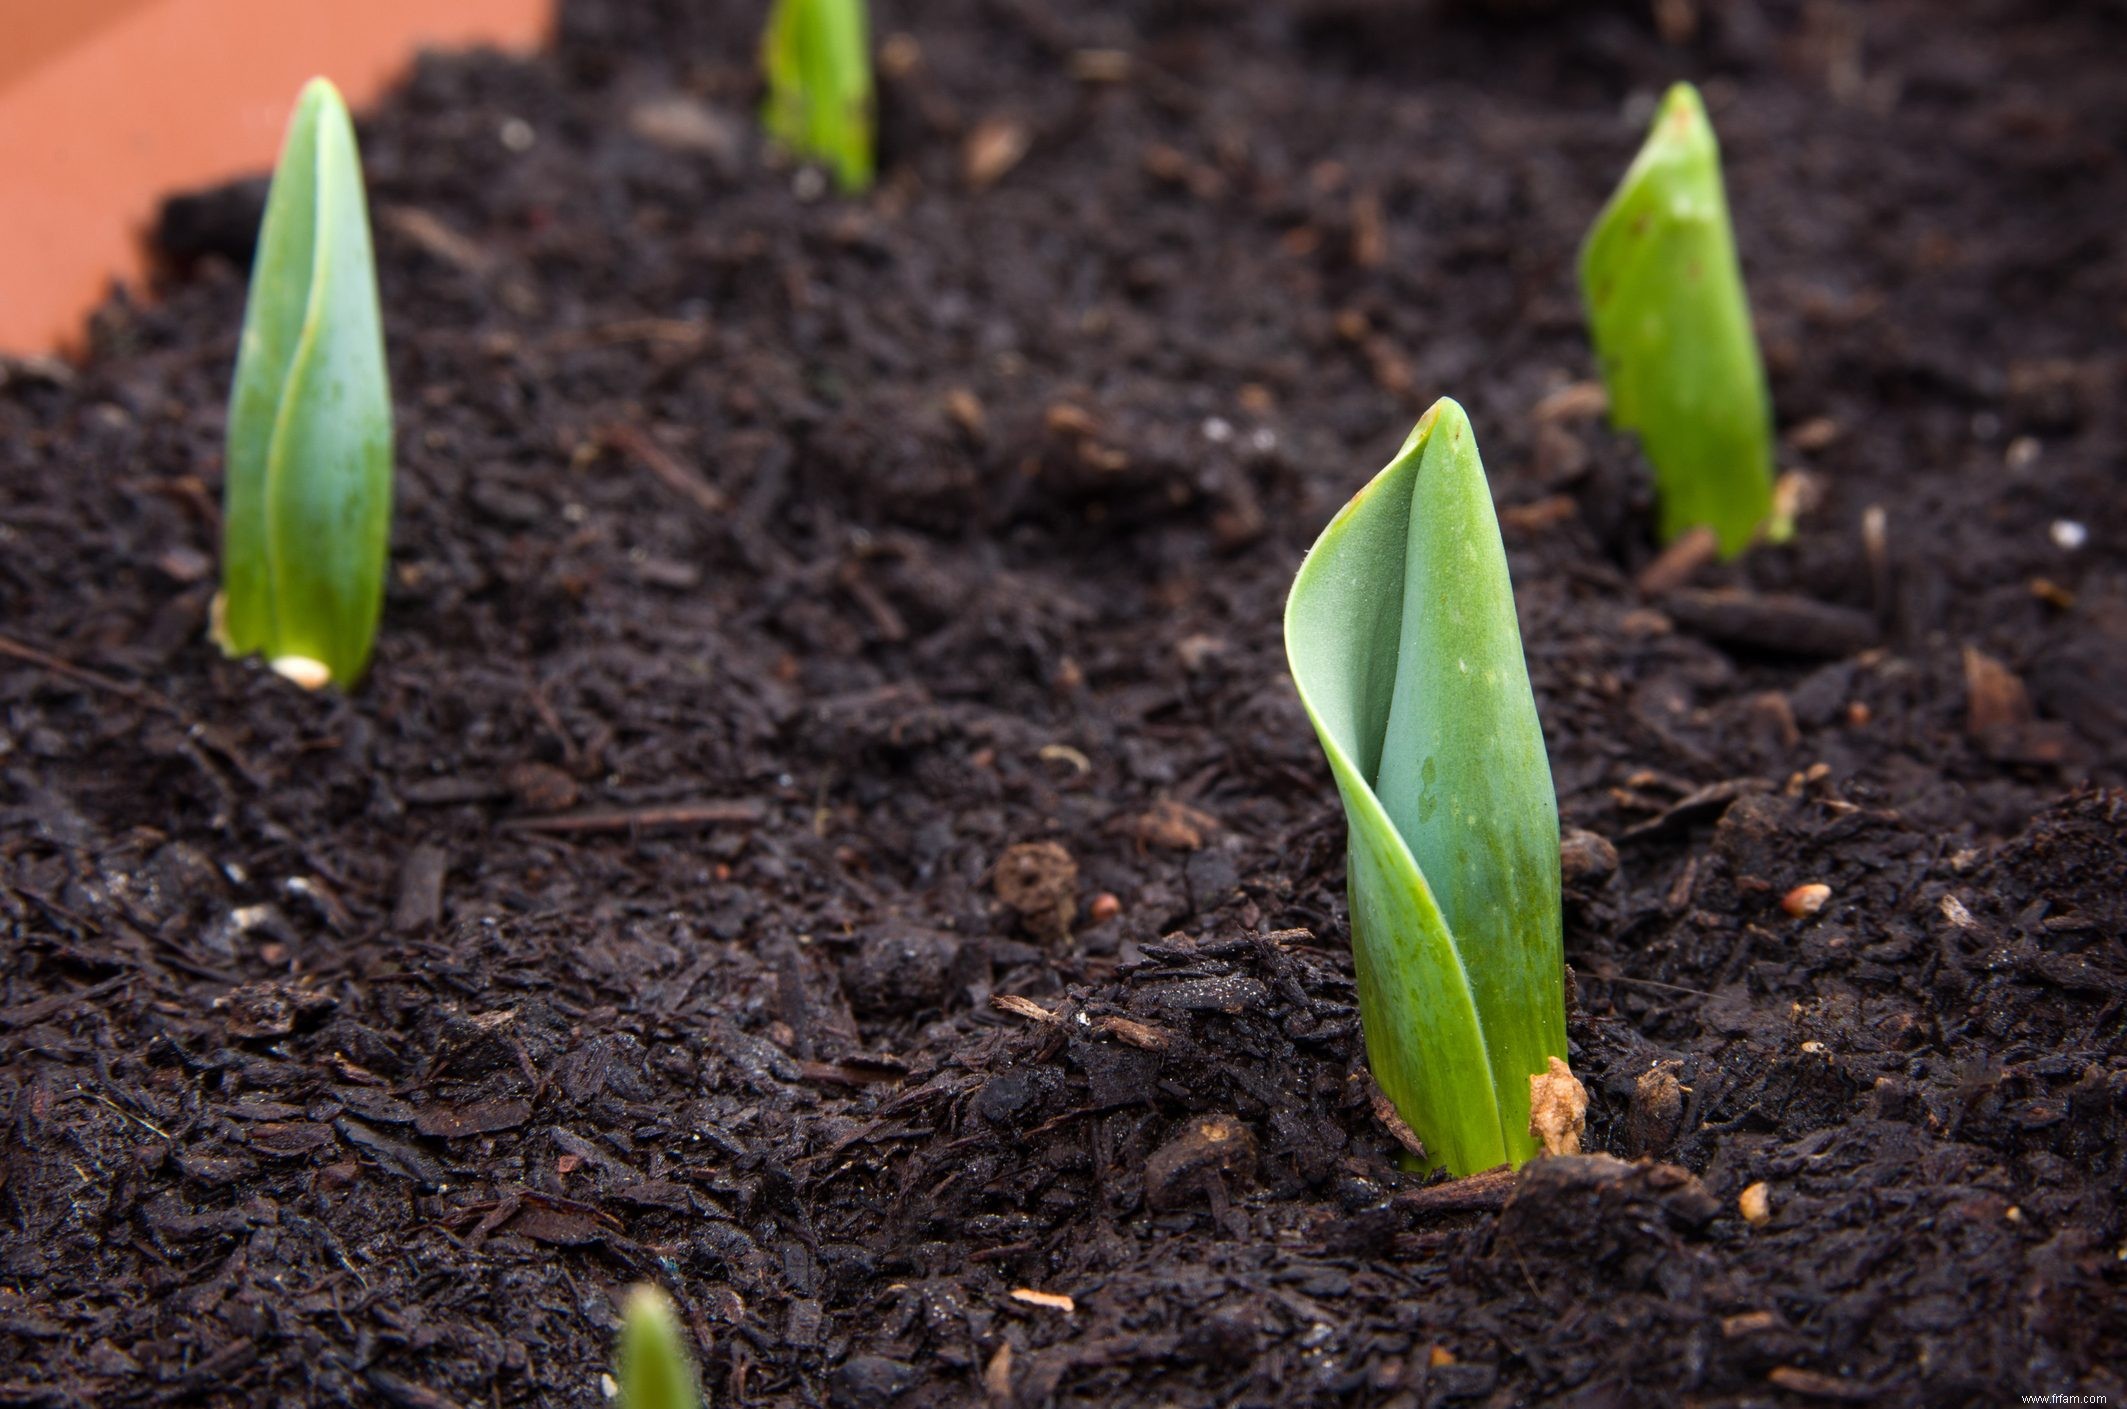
[[817, 57], [1401, 636], [1672, 331], [654, 1370], [307, 501]]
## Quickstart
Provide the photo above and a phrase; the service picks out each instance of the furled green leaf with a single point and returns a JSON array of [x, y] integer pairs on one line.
[[307, 497], [1672, 330], [817, 56], [654, 1370], [1401, 636]]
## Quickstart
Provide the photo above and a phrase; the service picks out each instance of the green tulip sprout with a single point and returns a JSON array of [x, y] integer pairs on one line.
[[654, 1370], [1672, 331], [307, 499], [817, 57], [1401, 636]]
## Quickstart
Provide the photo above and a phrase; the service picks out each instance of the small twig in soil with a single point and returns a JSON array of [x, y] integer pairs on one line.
[[1678, 563], [1143, 1036], [1650, 983], [142, 1121], [1021, 1007], [84, 676], [631, 819], [1773, 621], [675, 476], [1477, 1192]]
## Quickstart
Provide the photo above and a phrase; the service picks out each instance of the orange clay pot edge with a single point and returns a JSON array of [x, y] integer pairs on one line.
[[106, 106]]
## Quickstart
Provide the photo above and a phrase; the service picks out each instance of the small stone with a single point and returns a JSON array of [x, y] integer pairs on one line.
[[272, 1008], [1171, 826], [1755, 1204], [540, 787], [965, 409], [1065, 419], [901, 55], [689, 127], [184, 564], [995, 146], [1806, 900]]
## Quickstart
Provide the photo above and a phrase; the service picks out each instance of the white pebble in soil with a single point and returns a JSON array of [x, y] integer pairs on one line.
[[2068, 535]]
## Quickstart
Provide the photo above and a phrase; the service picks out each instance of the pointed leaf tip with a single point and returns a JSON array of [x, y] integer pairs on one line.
[[654, 1370]]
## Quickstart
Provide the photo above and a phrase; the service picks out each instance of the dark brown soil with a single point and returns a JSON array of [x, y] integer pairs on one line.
[[767, 569]]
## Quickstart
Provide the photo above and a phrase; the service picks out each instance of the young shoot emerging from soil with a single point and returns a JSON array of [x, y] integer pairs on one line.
[[654, 1370], [817, 58], [306, 513], [1671, 326], [1401, 636]]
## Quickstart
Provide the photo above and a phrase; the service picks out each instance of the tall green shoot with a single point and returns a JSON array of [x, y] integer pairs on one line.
[[306, 515], [1401, 636], [1671, 326], [816, 55]]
